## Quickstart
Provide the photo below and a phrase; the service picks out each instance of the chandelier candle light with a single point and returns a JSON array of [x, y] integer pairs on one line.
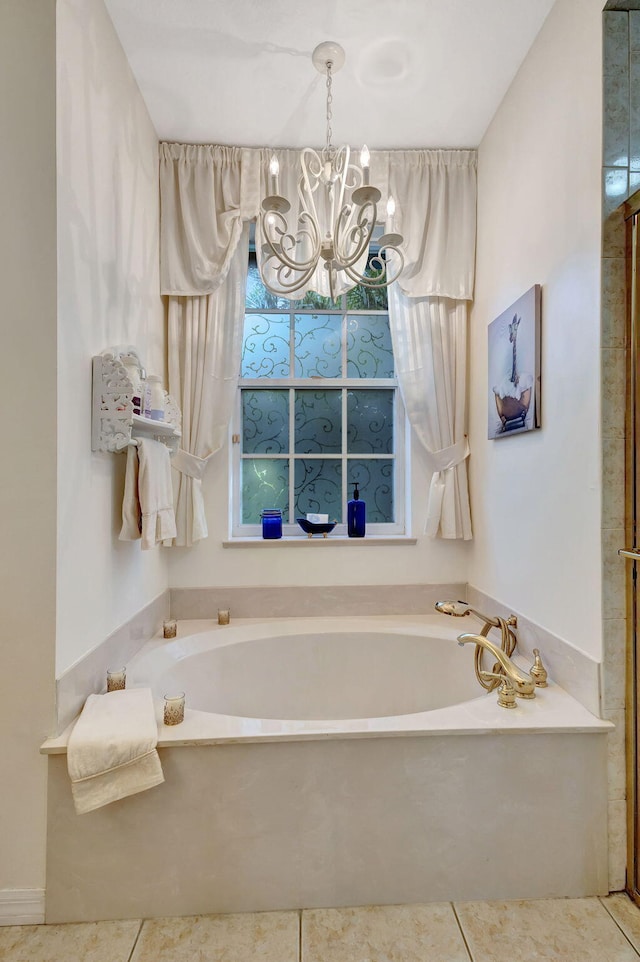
[[336, 218]]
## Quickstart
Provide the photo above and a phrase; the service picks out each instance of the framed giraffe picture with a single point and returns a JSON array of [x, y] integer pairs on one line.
[[514, 368]]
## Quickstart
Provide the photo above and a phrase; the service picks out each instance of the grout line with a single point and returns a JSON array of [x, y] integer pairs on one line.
[[464, 938], [299, 935], [604, 906], [135, 942]]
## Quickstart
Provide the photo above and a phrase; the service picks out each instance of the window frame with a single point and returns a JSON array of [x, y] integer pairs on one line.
[[399, 456]]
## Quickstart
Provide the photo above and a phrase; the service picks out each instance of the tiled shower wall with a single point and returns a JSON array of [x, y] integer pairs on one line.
[[620, 178]]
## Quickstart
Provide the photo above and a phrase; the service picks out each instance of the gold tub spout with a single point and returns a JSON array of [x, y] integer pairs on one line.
[[523, 684]]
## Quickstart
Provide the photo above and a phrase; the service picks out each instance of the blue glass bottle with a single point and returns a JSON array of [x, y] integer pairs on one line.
[[271, 523], [356, 515]]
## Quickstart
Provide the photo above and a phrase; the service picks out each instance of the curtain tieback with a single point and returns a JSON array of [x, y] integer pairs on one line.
[[189, 464], [449, 457], [442, 461]]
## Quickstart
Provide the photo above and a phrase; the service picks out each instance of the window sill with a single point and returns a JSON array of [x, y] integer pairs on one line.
[[337, 541]]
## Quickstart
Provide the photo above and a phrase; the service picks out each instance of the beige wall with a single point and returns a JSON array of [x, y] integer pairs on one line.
[[108, 214], [28, 478], [536, 497]]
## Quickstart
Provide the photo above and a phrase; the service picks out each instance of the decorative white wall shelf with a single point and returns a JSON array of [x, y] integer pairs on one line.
[[114, 425]]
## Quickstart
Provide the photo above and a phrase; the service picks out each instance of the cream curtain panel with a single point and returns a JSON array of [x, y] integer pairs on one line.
[[205, 341], [428, 306], [430, 349], [208, 193]]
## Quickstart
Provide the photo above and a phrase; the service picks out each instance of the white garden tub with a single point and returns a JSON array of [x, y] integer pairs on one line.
[[299, 677], [336, 761]]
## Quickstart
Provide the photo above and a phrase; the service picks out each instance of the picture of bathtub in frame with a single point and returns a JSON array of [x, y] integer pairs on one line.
[[514, 368]]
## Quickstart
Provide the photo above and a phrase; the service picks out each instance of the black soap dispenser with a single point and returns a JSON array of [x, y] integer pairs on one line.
[[356, 515]]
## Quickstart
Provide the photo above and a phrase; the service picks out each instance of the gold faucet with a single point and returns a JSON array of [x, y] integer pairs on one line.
[[523, 684]]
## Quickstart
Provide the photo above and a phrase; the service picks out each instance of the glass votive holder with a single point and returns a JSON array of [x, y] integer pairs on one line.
[[116, 679], [223, 616], [170, 628], [174, 709], [271, 524]]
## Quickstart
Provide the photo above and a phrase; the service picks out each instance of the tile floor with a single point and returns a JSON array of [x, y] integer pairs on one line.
[[548, 930]]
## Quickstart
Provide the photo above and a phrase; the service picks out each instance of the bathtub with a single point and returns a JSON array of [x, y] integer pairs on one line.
[[337, 761]]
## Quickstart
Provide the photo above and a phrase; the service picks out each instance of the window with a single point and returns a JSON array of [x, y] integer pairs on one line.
[[318, 410]]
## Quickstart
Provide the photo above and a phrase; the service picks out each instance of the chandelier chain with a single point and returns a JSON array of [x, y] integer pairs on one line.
[[329, 103]]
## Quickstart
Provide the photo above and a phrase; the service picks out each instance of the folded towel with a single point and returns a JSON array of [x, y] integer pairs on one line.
[[131, 517], [112, 749], [155, 492]]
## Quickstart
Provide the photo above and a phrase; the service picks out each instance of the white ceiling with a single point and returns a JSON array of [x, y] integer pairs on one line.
[[419, 73]]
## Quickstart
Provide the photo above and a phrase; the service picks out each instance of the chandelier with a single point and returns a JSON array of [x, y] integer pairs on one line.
[[334, 218]]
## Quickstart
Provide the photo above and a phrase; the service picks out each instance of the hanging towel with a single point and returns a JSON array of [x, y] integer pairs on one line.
[[112, 749], [155, 493], [131, 517]]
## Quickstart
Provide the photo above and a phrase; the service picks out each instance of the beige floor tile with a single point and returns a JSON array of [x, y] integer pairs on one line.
[[626, 914], [247, 937], [82, 942], [548, 930], [386, 933]]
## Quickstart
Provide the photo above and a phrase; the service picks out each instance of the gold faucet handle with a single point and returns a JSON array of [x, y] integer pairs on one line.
[[538, 672], [506, 691]]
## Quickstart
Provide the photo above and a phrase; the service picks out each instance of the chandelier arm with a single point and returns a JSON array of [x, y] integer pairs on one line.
[[289, 287], [364, 226], [278, 225], [312, 168], [341, 169], [383, 279]]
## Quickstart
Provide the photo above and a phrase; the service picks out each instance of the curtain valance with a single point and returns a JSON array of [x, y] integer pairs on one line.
[[208, 191], [205, 195]]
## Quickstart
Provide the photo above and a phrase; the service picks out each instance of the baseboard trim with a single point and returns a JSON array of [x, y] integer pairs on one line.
[[21, 906]]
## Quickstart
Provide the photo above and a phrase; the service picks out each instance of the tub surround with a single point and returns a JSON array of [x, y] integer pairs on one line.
[[88, 676], [600, 688], [569, 667], [264, 813], [553, 710], [348, 821], [262, 601]]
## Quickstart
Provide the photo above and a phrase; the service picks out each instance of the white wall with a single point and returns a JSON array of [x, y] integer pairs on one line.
[[28, 478], [536, 497], [108, 214], [208, 563]]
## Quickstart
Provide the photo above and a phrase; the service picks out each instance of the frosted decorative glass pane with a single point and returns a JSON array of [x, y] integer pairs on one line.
[[318, 349], [318, 420], [265, 346], [375, 481], [258, 296], [265, 484], [370, 422], [318, 487], [265, 422], [369, 351]]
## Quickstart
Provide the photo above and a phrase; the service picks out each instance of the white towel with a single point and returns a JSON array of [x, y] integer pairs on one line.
[[131, 519], [156, 493], [112, 749]]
